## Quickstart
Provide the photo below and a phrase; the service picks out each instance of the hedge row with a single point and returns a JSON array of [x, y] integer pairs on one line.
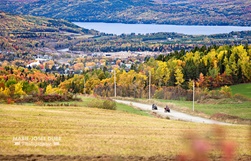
[[47, 98]]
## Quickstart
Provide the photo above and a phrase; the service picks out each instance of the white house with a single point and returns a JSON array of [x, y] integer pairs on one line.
[[37, 63]]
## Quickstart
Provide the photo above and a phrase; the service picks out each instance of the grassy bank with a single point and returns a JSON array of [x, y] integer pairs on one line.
[[224, 110], [92, 132], [242, 110], [233, 110], [244, 89], [119, 106]]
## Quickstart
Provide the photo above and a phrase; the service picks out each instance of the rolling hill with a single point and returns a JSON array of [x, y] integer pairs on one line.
[[27, 33], [179, 12], [30, 24]]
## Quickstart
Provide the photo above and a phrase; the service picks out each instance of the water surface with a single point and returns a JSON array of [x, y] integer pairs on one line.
[[119, 28]]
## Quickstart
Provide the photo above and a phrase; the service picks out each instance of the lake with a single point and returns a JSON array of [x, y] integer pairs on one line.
[[119, 28]]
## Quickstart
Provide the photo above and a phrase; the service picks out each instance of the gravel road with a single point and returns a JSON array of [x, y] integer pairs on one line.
[[173, 115]]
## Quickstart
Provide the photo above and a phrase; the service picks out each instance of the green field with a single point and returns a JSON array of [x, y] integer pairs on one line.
[[228, 106], [242, 110], [120, 106], [244, 89], [92, 132]]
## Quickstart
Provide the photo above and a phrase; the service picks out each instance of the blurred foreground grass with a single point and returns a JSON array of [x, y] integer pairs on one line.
[[91, 132]]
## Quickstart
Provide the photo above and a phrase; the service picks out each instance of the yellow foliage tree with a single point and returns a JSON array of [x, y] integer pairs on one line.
[[90, 84], [19, 89], [179, 76], [244, 61], [162, 73], [4, 92], [50, 90]]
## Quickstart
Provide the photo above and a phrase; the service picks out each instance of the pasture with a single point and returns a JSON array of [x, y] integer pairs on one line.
[[230, 110], [241, 109], [90, 132], [244, 89]]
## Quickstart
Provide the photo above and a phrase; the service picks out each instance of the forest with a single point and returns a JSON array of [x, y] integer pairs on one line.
[[171, 77], [178, 12]]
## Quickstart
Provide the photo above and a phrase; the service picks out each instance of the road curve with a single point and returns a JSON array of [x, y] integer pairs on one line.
[[173, 115]]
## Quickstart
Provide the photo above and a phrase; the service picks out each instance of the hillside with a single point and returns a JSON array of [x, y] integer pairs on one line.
[[180, 12], [11, 24], [82, 133], [27, 33]]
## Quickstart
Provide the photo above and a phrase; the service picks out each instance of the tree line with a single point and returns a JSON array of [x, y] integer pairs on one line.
[[169, 76]]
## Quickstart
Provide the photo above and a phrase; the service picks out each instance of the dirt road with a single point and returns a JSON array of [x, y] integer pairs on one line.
[[173, 115]]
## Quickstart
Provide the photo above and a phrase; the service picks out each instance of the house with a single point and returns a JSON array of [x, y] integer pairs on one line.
[[33, 64]]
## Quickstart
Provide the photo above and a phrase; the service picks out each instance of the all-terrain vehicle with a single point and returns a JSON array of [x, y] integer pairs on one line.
[[154, 107], [167, 109]]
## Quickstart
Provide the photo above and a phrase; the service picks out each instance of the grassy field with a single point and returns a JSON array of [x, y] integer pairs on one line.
[[129, 109], [120, 106], [231, 108], [242, 110], [244, 89], [92, 132]]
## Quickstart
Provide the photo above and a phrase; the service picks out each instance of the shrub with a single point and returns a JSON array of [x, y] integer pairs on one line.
[[176, 93], [159, 94], [241, 97], [58, 98], [10, 101], [102, 103], [47, 98], [214, 94], [39, 103], [27, 99], [95, 103], [109, 104], [2, 97], [226, 91]]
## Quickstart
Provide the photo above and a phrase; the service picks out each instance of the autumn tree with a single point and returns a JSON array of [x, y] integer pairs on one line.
[[19, 90], [162, 73]]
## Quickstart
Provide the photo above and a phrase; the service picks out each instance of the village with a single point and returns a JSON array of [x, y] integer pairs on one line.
[[65, 61]]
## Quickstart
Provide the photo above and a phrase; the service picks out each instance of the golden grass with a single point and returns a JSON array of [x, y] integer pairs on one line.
[[91, 132]]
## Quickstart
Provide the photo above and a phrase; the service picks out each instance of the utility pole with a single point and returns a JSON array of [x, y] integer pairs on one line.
[[115, 92], [149, 85], [193, 95], [84, 84]]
